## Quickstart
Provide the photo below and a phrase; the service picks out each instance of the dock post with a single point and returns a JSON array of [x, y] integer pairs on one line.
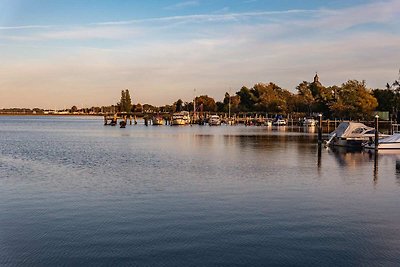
[[376, 131], [320, 128]]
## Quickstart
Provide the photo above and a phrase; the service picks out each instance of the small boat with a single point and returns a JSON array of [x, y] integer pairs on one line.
[[268, 123], [309, 122], [390, 142], [158, 120], [214, 120], [180, 118], [279, 122], [350, 134]]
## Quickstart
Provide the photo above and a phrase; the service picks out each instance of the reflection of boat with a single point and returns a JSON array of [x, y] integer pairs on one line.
[[350, 134], [350, 157], [279, 122], [181, 118], [158, 120], [391, 142], [214, 120]]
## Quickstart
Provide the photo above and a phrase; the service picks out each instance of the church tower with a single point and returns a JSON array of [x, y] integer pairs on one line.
[[316, 78]]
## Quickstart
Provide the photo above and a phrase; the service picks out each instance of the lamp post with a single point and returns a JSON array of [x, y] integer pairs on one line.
[[376, 131]]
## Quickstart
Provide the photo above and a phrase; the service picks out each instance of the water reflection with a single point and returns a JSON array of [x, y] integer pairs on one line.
[[166, 195], [357, 160]]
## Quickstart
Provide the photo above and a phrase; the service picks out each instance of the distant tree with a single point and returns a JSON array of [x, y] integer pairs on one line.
[[73, 109], [354, 101], [207, 102], [386, 99], [247, 99], [122, 101], [395, 89], [128, 102], [304, 102], [178, 105], [138, 108], [270, 98], [220, 106]]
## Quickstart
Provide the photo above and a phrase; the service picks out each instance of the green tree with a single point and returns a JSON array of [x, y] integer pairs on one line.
[[247, 99], [125, 103], [353, 101], [386, 99], [270, 98], [128, 102], [178, 105], [122, 102], [304, 102], [207, 102], [73, 109]]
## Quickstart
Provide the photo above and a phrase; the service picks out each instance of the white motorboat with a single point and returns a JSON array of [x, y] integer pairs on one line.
[[309, 122], [390, 142], [279, 122], [180, 118], [158, 120], [350, 134], [214, 120]]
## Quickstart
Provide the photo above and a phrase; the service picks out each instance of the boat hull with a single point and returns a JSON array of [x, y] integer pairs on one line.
[[354, 143], [386, 146], [158, 122], [176, 122]]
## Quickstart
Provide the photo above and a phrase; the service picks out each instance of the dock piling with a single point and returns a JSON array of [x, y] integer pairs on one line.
[[376, 132]]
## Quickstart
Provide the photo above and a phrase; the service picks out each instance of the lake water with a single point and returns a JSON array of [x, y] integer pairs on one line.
[[75, 192]]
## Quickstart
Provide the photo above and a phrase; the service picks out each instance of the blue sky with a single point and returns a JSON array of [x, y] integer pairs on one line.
[[84, 52]]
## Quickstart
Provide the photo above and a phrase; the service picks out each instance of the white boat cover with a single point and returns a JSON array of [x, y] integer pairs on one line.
[[390, 139], [350, 129]]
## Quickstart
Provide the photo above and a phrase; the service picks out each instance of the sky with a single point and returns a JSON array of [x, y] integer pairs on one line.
[[56, 54]]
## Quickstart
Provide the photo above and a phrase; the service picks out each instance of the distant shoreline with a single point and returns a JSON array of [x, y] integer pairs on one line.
[[53, 115]]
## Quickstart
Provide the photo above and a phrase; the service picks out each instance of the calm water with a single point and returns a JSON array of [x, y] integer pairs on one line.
[[74, 192]]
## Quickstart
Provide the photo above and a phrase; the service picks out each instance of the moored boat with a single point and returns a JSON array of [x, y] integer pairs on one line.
[[279, 122], [391, 142], [350, 134], [180, 118], [309, 122], [214, 120], [158, 120]]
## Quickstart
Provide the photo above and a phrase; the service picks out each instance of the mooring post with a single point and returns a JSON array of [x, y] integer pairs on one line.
[[376, 131], [391, 124], [319, 155], [320, 128]]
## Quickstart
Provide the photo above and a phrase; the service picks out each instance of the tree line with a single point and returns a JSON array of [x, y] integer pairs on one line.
[[350, 100]]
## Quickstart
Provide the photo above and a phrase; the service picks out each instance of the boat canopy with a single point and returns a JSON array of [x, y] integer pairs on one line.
[[352, 130], [390, 139]]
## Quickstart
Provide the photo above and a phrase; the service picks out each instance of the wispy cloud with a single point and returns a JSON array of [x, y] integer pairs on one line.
[[26, 27], [183, 5], [184, 51]]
